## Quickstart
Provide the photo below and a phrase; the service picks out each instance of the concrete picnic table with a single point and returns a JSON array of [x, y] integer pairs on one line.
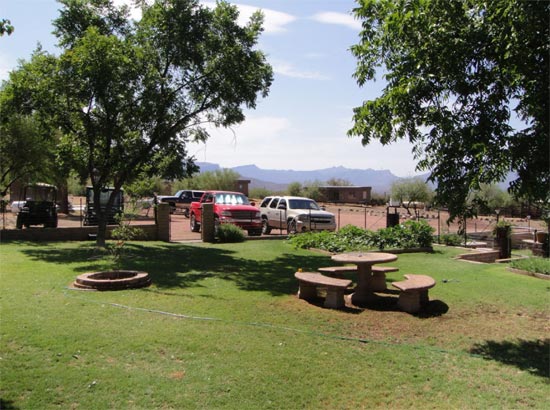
[[364, 292]]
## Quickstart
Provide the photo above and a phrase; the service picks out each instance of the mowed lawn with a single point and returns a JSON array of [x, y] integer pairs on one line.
[[221, 327]]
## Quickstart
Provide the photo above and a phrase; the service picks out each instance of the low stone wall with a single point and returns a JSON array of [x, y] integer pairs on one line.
[[149, 233], [484, 256]]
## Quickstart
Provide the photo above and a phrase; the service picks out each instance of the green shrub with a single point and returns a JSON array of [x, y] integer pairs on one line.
[[228, 233], [451, 239], [411, 234], [536, 265]]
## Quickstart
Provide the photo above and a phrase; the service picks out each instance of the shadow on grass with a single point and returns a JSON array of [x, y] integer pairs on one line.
[[7, 405], [528, 355], [177, 266], [387, 302]]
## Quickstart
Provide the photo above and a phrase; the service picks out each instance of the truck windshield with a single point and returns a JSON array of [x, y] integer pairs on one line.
[[231, 199], [104, 197], [303, 204]]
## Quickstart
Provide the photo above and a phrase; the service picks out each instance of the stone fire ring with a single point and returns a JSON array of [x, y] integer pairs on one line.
[[112, 280]]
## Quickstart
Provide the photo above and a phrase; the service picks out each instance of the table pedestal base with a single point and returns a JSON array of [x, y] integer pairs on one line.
[[378, 282], [362, 298]]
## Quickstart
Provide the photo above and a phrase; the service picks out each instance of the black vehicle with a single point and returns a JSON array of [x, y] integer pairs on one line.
[[90, 216], [181, 200], [39, 207]]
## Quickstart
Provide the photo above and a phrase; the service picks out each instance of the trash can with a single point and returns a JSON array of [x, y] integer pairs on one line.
[[392, 219]]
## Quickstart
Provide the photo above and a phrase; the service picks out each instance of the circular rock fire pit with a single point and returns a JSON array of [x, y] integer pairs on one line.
[[112, 280]]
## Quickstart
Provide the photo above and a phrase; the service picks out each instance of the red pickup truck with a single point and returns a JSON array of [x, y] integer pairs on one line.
[[229, 207]]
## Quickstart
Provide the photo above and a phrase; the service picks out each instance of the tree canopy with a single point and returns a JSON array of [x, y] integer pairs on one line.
[[6, 27], [410, 192], [467, 85], [221, 179], [129, 95]]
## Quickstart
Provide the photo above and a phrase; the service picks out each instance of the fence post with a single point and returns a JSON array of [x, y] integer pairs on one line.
[[208, 229], [163, 222]]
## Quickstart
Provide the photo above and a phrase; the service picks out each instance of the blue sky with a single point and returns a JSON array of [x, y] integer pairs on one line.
[[302, 124]]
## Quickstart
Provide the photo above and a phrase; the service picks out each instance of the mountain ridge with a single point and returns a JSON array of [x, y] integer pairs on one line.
[[274, 179]]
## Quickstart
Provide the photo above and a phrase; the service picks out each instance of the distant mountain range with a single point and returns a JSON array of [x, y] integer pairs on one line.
[[278, 180]]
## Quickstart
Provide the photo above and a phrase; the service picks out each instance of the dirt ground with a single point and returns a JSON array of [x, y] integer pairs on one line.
[[371, 218]]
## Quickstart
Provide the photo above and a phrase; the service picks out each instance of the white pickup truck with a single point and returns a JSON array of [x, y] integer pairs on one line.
[[296, 214]]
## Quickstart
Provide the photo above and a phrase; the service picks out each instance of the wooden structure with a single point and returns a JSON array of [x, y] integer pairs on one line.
[[346, 194]]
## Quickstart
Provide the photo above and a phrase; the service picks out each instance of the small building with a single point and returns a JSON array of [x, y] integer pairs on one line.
[[241, 185], [346, 194]]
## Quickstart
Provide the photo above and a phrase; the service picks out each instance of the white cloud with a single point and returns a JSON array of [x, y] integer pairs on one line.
[[5, 66], [250, 142], [274, 21], [329, 17], [135, 12], [289, 70]]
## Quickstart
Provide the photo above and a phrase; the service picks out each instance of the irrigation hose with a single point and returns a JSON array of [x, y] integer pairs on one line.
[[277, 327]]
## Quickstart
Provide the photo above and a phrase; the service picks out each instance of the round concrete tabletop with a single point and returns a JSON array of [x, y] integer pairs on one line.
[[369, 258]]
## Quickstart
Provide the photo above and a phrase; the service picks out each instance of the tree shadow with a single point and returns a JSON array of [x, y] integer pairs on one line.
[[7, 405], [528, 355], [179, 266]]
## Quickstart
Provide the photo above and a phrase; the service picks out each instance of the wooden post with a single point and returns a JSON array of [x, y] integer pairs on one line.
[[163, 222], [208, 231]]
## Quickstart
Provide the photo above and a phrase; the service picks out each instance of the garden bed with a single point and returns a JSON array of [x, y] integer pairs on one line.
[[527, 273]]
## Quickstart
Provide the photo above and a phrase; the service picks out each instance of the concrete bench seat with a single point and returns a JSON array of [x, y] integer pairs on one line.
[[309, 281], [384, 269], [338, 271], [378, 282], [414, 292]]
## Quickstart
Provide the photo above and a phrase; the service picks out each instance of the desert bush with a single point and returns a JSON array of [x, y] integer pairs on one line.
[[451, 239], [411, 234], [228, 233]]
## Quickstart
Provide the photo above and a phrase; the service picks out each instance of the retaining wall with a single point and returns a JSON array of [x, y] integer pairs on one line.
[[149, 233], [485, 256]]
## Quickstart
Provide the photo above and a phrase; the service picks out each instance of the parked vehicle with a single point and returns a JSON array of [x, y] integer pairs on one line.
[[90, 212], [16, 206], [39, 207], [296, 214], [181, 200], [229, 207]]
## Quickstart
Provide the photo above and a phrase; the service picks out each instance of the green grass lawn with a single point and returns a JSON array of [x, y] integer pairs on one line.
[[221, 327]]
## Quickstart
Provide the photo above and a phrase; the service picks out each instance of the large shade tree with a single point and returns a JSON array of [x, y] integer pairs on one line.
[[129, 95], [467, 85], [27, 148]]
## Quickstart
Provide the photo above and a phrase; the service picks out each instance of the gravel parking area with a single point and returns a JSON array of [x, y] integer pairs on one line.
[[371, 218]]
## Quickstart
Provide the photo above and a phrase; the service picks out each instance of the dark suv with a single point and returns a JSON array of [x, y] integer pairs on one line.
[[90, 215], [181, 200], [39, 208]]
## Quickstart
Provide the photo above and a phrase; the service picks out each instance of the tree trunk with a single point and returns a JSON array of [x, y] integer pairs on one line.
[[101, 229], [504, 242], [63, 196]]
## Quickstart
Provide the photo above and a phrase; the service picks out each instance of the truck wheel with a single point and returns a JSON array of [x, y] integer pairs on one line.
[[186, 212], [19, 222], [195, 227], [266, 229], [291, 228], [172, 208]]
